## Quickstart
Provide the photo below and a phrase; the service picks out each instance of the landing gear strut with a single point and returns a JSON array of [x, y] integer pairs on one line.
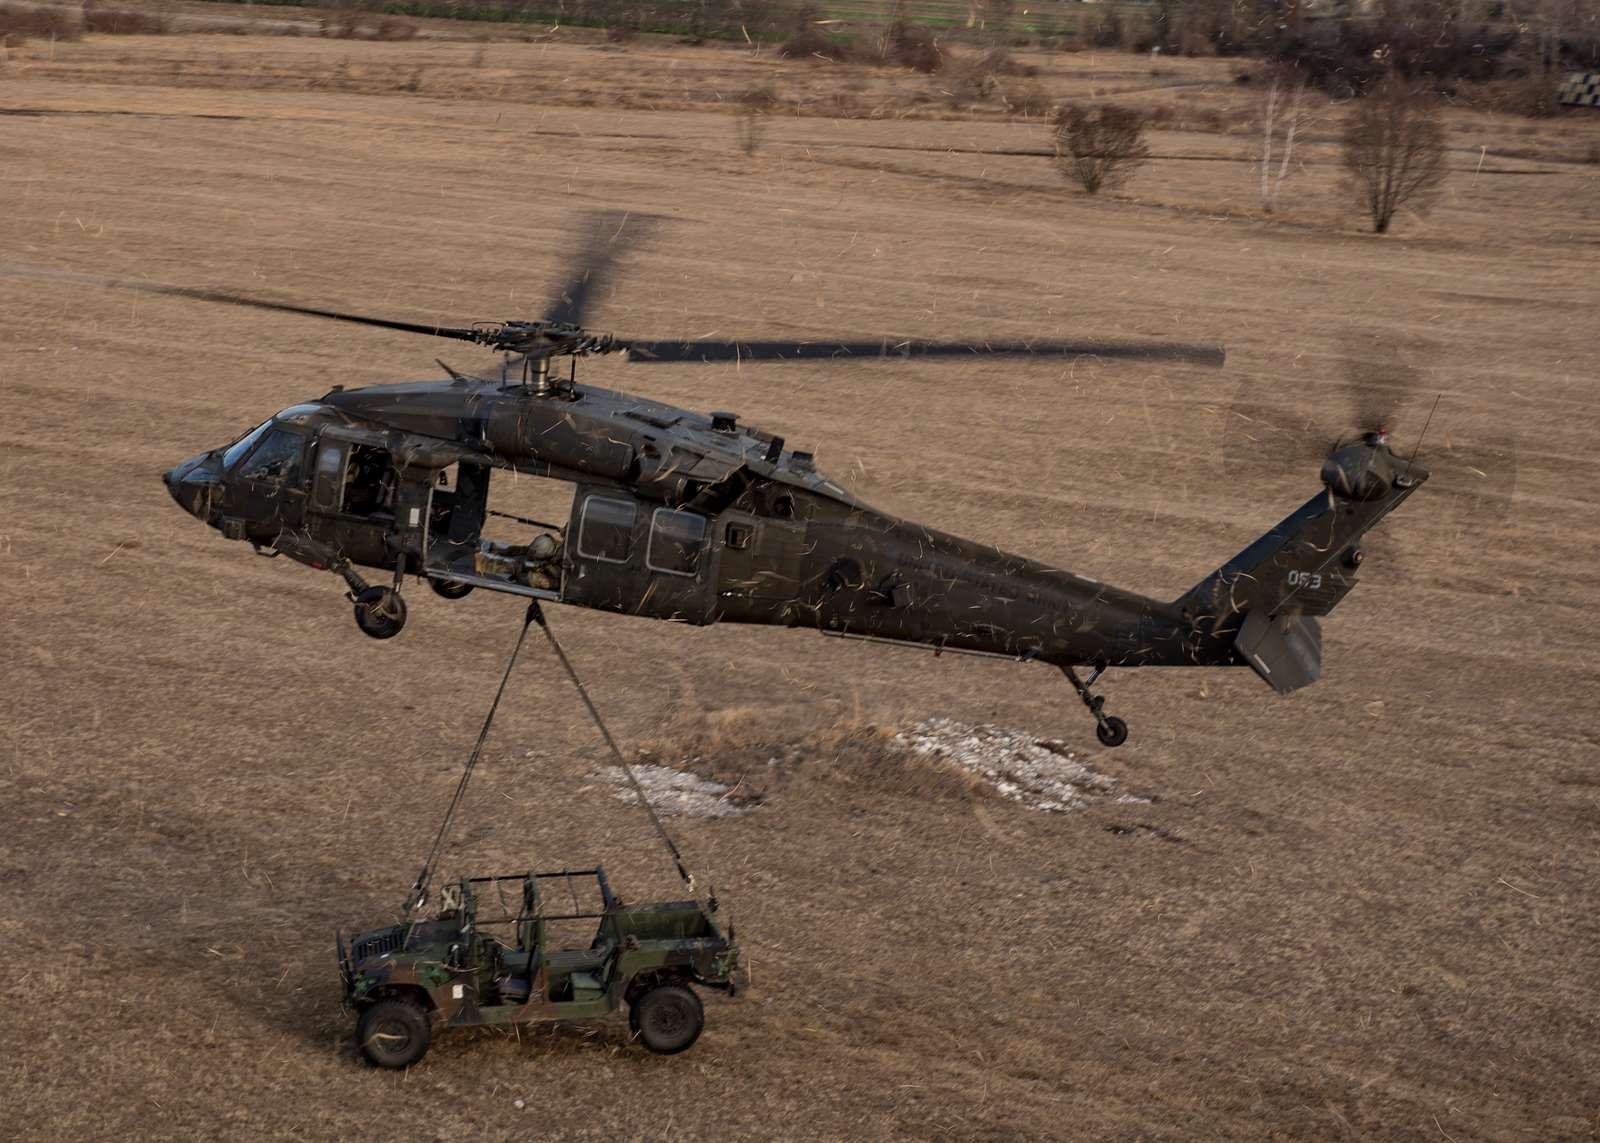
[[1110, 729], [380, 612]]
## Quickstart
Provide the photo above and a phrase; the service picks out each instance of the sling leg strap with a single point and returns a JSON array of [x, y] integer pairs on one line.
[[537, 616]]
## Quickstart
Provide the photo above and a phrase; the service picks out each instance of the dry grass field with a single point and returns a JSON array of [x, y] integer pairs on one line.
[[1364, 911]]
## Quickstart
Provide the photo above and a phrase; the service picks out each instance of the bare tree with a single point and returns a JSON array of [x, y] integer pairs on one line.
[[750, 121], [1394, 149], [992, 17], [1283, 118], [1102, 146]]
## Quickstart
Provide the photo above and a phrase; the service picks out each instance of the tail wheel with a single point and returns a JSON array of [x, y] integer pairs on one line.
[[1112, 732], [380, 612], [394, 1033], [668, 1018]]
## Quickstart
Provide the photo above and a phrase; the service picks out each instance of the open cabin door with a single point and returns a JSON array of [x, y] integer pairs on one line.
[[463, 546], [638, 558]]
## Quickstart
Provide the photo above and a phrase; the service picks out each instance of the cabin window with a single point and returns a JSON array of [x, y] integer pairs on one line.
[[606, 531], [737, 536], [675, 542], [277, 458]]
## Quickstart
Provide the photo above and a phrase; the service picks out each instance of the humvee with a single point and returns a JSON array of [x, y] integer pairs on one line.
[[506, 966]]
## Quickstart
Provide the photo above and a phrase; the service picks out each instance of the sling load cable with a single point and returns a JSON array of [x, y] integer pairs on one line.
[[535, 614], [419, 891]]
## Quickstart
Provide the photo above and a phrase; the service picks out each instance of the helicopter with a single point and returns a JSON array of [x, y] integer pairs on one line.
[[699, 518]]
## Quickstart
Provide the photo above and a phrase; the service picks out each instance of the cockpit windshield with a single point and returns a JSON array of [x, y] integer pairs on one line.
[[244, 444]]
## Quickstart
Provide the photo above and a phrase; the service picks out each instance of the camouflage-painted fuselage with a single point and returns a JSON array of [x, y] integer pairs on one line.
[[698, 519]]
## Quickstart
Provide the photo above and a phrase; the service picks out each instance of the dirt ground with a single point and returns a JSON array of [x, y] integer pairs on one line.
[[1363, 911]]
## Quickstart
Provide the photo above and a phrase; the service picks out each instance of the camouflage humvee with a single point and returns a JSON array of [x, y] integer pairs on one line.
[[464, 967]]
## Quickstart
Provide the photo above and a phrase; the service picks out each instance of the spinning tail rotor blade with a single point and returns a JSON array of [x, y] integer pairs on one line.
[[714, 352], [1277, 427], [1261, 438], [1272, 430], [1475, 473], [1378, 382]]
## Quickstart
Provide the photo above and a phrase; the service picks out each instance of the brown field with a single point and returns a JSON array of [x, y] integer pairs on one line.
[[1364, 911]]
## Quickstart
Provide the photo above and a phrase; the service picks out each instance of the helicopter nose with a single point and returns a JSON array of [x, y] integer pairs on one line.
[[192, 485]]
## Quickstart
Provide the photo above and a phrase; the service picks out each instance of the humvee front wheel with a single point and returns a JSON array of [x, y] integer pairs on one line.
[[667, 1018], [393, 1033]]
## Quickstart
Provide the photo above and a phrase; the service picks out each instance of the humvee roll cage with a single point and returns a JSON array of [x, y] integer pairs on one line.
[[609, 901]]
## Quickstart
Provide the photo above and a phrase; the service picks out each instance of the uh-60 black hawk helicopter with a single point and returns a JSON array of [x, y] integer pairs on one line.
[[683, 516]]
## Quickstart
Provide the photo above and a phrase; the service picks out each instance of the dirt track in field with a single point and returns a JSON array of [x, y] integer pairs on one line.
[[1364, 911]]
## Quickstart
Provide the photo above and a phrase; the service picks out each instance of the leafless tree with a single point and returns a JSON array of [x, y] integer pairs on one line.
[[754, 107], [1100, 146], [1283, 119], [1394, 149], [993, 17]]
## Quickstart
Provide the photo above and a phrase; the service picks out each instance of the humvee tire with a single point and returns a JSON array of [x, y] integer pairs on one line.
[[394, 1033], [667, 1018]]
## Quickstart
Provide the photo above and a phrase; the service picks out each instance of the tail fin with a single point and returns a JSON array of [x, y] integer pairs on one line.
[[1285, 650], [1268, 597]]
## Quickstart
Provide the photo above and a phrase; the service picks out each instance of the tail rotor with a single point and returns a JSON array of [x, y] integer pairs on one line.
[[1274, 429]]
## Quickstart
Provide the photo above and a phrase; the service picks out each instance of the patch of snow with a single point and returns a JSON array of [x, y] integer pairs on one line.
[[674, 791], [1042, 774]]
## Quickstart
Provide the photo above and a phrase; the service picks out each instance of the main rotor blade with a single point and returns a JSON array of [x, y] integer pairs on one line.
[[667, 352], [595, 260], [227, 299]]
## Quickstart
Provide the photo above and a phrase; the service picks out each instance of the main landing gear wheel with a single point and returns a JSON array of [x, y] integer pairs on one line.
[[667, 1019], [1112, 732], [380, 612], [450, 590], [393, 1033]]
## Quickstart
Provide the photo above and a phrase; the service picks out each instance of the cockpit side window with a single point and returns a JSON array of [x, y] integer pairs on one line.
[[277, 458]]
